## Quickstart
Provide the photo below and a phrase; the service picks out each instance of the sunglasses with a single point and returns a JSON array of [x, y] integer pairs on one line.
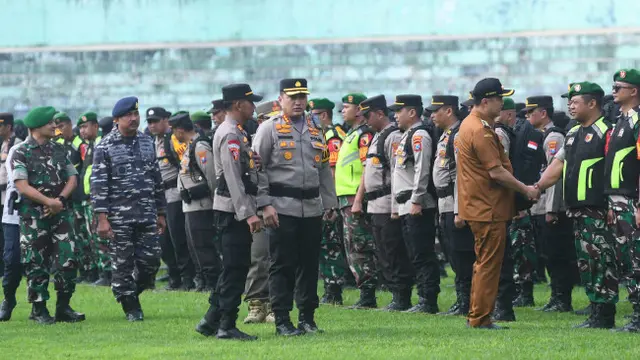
[[616, 88]]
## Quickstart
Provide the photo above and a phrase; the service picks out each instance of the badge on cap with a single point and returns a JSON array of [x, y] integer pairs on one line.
[[623, 74], [136, 104], [84, 118], [151, 112], [350, 99], [577, 87], [298, 84], [588, 138]]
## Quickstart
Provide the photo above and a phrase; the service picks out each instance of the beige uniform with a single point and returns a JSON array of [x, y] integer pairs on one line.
[[168, 171], [552, 200], [205, 174], [444, 175], [413, 177], [296, 178], [378, 177], [236, 175]]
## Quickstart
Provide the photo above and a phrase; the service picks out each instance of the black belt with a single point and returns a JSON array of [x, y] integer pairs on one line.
[[170, 184], [372, 195], [279, 190], [445, 191]]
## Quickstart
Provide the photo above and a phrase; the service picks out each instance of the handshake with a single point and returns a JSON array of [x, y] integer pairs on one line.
[[532, 192]]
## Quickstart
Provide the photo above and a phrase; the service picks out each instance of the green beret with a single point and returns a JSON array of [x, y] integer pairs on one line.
[[629, 76], [39, 117], [354, 98], [61, 116], [86, 117], [508, 104], [200, 116], [18, 122], [322, 104], [179, 112], [585, 88]]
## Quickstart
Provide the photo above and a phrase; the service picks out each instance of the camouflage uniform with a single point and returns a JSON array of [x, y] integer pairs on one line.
[[525, 258], [126, 185], [332, 259], [627, 241], [46, 168]]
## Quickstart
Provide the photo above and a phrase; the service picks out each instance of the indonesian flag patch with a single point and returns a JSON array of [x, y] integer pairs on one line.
[[532, 145]]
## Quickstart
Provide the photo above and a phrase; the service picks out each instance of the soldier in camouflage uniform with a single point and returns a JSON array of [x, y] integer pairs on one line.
[[71, 143], [332, 259], [128, 200], [357, 235], [623, 168], [584, 147], [45, 177]]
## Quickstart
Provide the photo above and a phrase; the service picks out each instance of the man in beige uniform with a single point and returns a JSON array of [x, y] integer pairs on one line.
[[297, 189], [375, 190], [416, 203]]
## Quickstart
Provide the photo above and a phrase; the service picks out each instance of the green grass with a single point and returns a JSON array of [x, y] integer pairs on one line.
[[170, 317]]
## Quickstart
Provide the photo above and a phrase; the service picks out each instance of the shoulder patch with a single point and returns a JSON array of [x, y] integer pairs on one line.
[[417, 143], [365, 140], [234, 149], [553, 147]]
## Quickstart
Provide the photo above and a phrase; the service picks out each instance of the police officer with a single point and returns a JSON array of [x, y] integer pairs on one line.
[[217, 112], [89, 132], [358, 238], [623, 167], [128, 199], [414, 202], [552, 228], [7, 140], [458, 240], [202, 122], [584, 183], [196, 184], [375, 190], [11, 233], [235, 212], [46, 178], [333, 263], [297, 188], [168, 154]]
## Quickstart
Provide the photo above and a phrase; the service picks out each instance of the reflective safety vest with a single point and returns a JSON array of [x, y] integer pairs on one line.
[[87, 165], [584, 175], [621, 160], [349, 166]]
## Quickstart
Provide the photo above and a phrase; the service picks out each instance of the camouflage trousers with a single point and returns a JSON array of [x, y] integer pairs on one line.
[[628, 244], [596, 253], [523, 249], [47, 249], [135, 249], [360, 248], [333, 264], [99, 245], [84, 237]]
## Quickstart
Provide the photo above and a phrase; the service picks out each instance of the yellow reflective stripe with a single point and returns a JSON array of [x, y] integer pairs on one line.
[[583, 182], [616, 170], [87, 180]]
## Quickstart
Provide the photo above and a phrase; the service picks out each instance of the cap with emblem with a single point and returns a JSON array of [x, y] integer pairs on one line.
[[629, 76], [294, 86], [378, 102], [39, 117], [60, 117], [406, 100], [353, 98], [157, 113], [438, 101], [200, 116], [217, 106], [125, 106], [239, 92], [6, 118], [180, 120], [490, 87], [508, 104], [321, 104], [87, 117], [534, 102], [469, 102], [585, 88]]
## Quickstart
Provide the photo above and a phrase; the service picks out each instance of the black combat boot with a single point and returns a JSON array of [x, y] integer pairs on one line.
[[229, 331], [187, 284], [8, 304], [552, 300], [367, 300], [199, 282], [585, 311], [525, 297], [424, 305], [503, 312], [332, 294], [562, 302], [104, 280], [131, 307], [400, 301], [284, 326], [175, 283], [593, 309], [64, 312], [210, 323], [92, 276], [40, 313], [307, 323], [605, 317], [634, 324]]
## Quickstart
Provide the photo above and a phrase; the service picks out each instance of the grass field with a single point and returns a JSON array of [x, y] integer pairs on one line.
[[170, 317]]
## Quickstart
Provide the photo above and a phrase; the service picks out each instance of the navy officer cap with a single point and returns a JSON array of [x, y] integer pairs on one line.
[[378, 102], [125, 106]]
